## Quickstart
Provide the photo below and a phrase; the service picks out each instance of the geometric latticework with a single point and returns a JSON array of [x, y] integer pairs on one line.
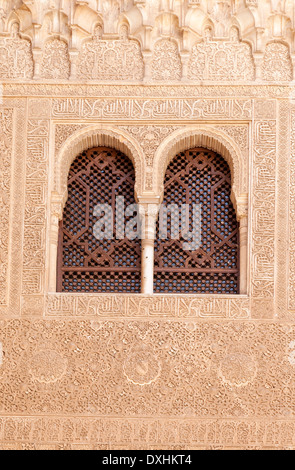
[[202, 178], [86, 263]]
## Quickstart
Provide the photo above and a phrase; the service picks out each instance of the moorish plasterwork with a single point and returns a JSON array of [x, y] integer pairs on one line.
[[147, 371]]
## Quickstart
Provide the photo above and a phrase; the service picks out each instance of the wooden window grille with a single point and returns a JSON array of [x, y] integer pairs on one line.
[[199, 176], [85, 264]]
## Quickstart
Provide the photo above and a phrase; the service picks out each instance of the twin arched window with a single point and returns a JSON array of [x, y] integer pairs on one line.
[[197, 236]]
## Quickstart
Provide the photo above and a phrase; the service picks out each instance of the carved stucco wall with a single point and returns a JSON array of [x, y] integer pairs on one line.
[[139, 40], [137, 371]]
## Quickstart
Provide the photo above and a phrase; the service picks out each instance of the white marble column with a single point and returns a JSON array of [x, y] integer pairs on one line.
[[149, 214]]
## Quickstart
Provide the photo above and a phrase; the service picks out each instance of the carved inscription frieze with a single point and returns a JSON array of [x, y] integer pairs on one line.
[[35, 207], [58, 305], [140, 109], [6, 142], [263, 214], [88, 433]]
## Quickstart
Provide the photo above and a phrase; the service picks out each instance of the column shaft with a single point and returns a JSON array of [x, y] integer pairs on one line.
[[147, 280]]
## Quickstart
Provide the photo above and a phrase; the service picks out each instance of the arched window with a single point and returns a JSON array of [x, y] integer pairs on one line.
[[87, 263], [197, 192]]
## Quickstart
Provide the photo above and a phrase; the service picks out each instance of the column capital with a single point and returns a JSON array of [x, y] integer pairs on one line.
[[56, 205], [242, 207], [150, 209], [148, 214]]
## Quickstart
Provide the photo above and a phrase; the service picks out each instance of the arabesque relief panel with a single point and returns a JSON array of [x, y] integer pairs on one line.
[[141, 384]]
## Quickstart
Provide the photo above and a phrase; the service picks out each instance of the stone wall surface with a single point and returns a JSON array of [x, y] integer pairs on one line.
[[150, 79]]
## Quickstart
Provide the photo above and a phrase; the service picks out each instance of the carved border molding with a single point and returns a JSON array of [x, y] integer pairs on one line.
[[67, 433], [6, 130], [75, 90], [291, 264], [14, 198], [282, 213]]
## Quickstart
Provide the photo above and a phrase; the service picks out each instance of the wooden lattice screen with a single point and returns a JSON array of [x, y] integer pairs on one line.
[[199, 176], [86, 264]]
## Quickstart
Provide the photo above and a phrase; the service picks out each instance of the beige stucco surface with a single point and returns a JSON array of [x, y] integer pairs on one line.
[[147, 371]]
